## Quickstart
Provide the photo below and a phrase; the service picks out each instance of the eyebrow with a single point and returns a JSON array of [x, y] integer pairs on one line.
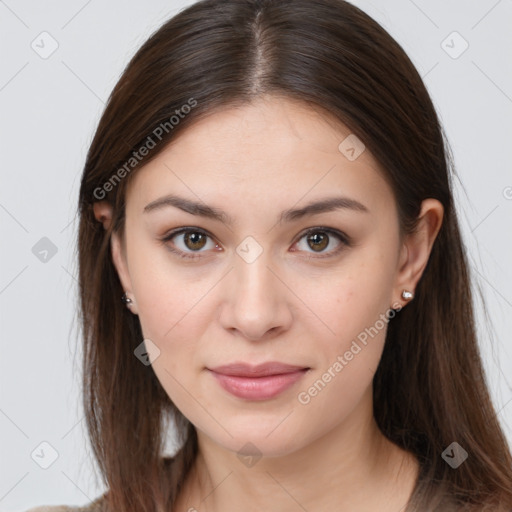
[[328, 204]]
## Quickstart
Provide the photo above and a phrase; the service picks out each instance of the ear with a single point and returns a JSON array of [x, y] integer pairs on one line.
[[103, 213], [416, 248]]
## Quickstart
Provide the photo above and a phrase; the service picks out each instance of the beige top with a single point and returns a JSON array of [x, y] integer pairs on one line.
[[94, 506], [54, 508]]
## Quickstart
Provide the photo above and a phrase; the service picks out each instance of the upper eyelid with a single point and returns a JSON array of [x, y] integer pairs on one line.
[[186, 229]]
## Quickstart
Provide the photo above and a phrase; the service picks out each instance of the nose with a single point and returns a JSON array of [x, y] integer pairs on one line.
[[256, 301]]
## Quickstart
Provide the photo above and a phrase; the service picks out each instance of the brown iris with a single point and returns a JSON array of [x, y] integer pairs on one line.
[[197, 240], [320, 240]]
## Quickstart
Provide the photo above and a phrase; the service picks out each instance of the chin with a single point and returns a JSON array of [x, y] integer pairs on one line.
[[257, 440]]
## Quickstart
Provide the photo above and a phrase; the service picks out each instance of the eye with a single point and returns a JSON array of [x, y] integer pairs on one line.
[[189, 239], [319, 238]]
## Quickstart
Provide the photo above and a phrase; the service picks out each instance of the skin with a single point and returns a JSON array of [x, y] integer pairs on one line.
[[254, 162]]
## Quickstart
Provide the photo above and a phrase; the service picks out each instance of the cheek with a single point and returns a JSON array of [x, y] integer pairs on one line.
[[347, 365], [169, 296], [174, 323], [354, 297], [355, 306]]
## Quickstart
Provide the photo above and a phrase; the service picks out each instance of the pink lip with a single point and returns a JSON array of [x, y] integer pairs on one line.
[[257, 382]]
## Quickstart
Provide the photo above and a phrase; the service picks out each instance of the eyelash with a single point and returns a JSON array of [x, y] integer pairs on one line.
[[344, 239]]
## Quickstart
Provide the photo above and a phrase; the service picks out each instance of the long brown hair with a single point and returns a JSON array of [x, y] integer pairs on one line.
[[430, 388]]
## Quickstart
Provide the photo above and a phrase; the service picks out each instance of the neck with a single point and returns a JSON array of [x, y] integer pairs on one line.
[[351, 468]]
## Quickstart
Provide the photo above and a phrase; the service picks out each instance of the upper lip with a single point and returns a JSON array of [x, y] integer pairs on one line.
[[261, 370]]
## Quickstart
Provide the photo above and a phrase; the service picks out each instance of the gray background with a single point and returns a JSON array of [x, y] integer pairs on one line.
[[49, 110]]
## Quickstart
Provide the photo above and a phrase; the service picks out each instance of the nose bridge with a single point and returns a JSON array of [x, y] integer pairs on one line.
[[253, 280], [256, 301]]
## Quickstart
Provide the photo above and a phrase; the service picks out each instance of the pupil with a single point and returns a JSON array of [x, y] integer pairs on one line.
[[195, 238], [315, 239]]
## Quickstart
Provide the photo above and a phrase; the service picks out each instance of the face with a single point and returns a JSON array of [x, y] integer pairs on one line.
[[311, 289]]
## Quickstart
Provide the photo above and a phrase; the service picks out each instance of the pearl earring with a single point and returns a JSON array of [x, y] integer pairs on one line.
[[127, 301], [407, 295]]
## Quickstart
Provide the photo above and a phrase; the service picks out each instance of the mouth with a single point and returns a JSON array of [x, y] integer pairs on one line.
[[261, 382]]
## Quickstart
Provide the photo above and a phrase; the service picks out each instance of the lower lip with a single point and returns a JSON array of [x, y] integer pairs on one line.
[[258, 388]]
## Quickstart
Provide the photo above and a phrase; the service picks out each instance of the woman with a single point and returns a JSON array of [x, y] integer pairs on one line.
[[270, 257]]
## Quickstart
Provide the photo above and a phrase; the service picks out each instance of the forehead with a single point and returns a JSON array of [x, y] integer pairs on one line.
[[271, 148]]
